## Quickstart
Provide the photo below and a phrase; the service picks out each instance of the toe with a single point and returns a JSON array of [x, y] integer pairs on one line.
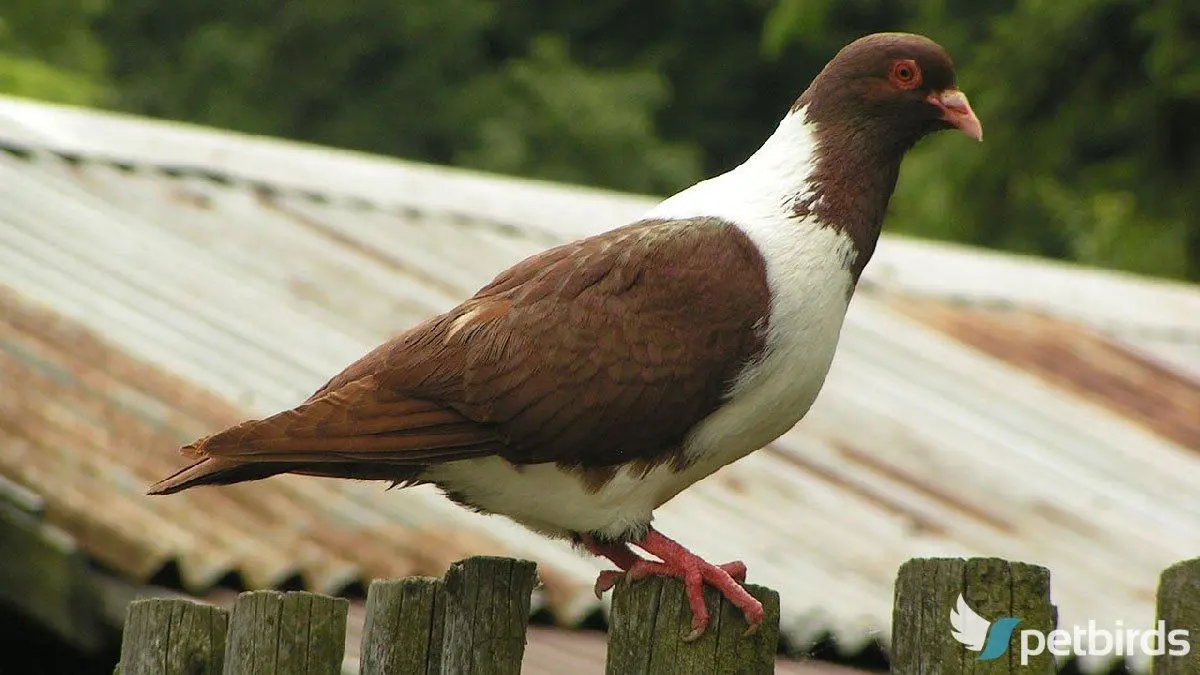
[[645, 568], [754, 614], [606, 580], [699, 620], [735, 569]]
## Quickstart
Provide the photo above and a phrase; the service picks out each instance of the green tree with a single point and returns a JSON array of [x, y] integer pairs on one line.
[[591, 126], [48, 51], [424, 79], [1090, 112]]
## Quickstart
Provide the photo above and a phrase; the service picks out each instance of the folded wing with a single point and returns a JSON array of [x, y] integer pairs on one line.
[[600, 352]]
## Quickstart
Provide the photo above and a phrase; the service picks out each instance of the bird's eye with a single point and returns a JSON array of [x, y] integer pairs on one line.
[[906, 74]]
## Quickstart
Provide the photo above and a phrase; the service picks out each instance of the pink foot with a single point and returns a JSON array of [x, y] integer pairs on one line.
[[680, 563], [640, 569], [616, 553], [606, 580]]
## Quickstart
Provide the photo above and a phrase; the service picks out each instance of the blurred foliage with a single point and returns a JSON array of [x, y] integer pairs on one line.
[[49, 51], [1091, 108], [1091, 112]]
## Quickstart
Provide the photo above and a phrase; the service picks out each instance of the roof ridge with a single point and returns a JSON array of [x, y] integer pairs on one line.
[[268, 189], [534, 209]]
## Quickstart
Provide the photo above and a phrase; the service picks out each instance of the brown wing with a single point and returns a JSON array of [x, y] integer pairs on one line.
[[599, 352]]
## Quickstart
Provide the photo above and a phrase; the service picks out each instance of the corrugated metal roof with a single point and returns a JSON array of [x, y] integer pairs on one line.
[[164, 281]]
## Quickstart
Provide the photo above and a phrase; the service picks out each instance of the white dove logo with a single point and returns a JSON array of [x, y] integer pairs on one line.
[[972, 631], [968, 627]]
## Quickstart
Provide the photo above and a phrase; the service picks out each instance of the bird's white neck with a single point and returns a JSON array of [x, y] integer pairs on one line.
[[788, 154], [764, 186]]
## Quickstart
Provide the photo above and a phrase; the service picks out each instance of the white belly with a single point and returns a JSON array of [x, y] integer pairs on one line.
[[556, 502], [770, 397]]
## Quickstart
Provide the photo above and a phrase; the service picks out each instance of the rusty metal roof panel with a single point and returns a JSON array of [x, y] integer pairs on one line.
[[165, 281]]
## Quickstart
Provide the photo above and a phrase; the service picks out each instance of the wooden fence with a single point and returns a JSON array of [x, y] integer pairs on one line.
[[473, 622]]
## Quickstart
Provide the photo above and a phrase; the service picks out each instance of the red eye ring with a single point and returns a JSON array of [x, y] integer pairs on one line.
[[905, 74]]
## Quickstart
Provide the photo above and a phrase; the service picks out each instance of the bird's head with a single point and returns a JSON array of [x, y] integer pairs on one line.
[[897, 86]]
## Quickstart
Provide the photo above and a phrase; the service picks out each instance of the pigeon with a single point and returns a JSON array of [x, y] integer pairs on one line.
[[589, 384]]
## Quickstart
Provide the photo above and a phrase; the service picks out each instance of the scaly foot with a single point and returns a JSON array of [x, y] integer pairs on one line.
[[680, 563], [609, 578]]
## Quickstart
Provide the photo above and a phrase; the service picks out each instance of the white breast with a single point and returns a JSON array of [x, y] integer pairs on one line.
[[808, 271], [807, 310]]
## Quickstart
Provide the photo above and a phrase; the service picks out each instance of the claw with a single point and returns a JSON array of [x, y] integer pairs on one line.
[[606, 580], [681, 564]]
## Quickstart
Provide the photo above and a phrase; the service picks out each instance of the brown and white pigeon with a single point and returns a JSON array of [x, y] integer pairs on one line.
[[589, 384]]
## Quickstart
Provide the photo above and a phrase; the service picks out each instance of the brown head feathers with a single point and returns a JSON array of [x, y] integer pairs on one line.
[[876, 98]]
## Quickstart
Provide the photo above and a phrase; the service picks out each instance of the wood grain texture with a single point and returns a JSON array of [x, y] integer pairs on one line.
[[1179, 608], [650, 618], [486, 616], [927, 589], [173, 637], [294, 633], [404, 627]]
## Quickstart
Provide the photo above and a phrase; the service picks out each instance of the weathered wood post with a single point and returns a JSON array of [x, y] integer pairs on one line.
[[486, 615], [173, 637], [650, 618], [927, 591], [403, 629], [294, 633], [1179, 609]]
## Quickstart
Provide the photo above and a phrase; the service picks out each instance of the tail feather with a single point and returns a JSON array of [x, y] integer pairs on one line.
[[214, 471], [358, 431]]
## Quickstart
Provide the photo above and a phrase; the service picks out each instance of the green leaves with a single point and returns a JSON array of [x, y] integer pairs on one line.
[[545, 116], [791, 20], [1087, 154], [48, 51], [33, 78]]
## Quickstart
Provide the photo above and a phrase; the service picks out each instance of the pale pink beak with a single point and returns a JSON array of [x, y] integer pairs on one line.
[[957, 111]]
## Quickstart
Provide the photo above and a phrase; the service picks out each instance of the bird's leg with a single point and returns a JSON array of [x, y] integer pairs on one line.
[[617, 553], [681, 563]]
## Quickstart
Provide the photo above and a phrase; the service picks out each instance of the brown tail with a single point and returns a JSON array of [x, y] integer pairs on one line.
[[215, 471], [357, 432]]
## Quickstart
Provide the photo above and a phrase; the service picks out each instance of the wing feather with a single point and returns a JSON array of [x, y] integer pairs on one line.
[[601, 351]]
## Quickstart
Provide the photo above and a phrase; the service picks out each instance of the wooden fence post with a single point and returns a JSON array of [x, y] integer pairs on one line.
[[1179, 608], [927, 590], [173, 637], [487, 612], [650, 618], [294, 633], [403, 629]]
